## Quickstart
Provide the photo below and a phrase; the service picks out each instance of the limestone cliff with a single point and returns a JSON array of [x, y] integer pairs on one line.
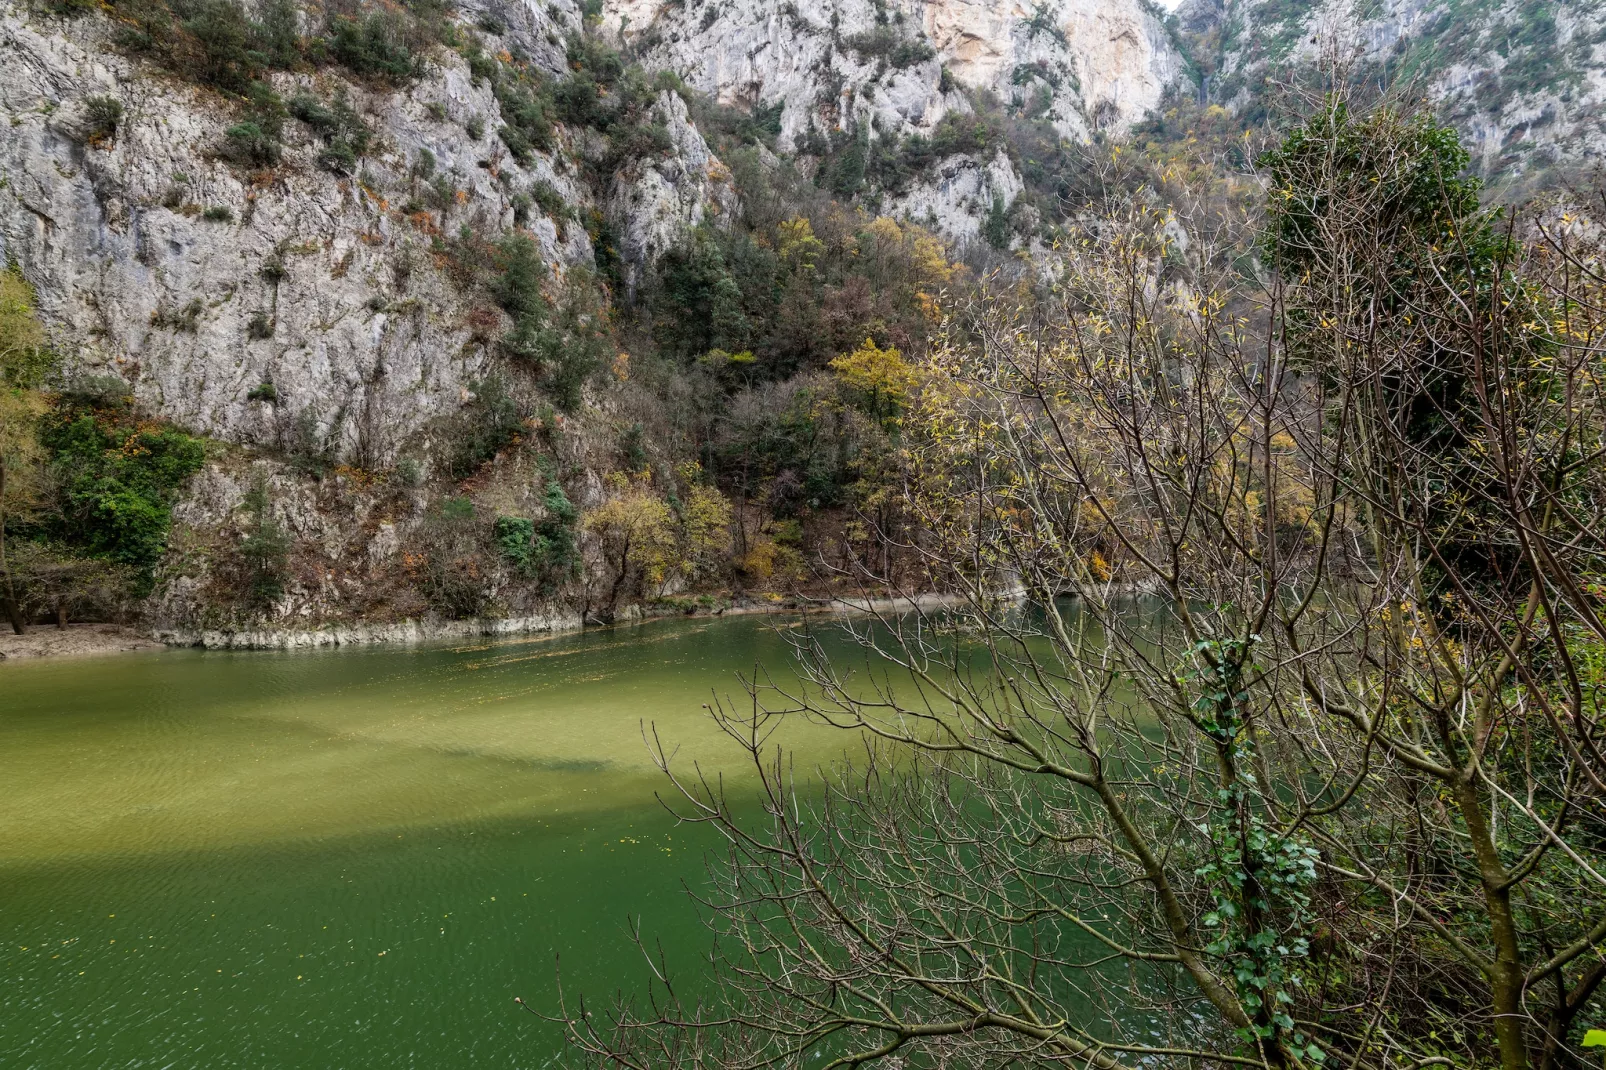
[[883, 70], [899, 67], [197, 283], [300, 308]]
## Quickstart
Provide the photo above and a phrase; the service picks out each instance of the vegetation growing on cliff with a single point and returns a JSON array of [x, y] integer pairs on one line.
[[87, 486]]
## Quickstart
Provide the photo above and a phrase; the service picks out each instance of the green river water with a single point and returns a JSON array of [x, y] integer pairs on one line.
[[351, 858]]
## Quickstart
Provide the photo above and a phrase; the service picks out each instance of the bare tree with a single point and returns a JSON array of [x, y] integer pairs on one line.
[[1292, 753]]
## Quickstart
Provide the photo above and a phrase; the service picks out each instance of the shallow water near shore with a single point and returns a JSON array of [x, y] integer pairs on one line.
[[350, 858]]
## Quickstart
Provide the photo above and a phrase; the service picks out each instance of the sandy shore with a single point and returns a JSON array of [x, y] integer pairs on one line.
[[78, 640]]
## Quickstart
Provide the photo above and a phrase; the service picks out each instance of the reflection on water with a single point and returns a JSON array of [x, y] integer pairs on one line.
[[345, 858]]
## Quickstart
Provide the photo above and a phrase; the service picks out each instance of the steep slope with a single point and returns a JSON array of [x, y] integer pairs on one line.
[[161, 260]]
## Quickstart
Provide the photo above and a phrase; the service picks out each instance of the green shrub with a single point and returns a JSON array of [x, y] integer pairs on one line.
[[522, 273], [1045, 20], [224, 35], [182, 319], [492, 422], [102, 114], [567, 343], [550, 201], [247, 143], [373, 46], [636, 141], [72, 8], [578, 100], [313, 449], [995, 228], [346, 137], [548, 550], [218, 213], [259, 326], [474, 128], [263, 391], [888, 44], [515, 539], [698, 303], [409, 472], [264, 551], [633, 448], [118, 480], [843, 174], [277, 38], [100, 391], [266, 108], [526, 104]]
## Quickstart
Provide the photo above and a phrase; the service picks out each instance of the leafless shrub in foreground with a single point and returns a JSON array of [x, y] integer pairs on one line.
[[1293, 754]]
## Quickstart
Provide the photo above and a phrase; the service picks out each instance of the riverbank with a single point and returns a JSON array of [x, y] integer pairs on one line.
[[430, 630], [360, 633], [88, 639], [74, 641]]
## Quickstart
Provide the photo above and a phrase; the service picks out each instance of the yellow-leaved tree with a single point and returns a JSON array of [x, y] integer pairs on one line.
[[636, 532], [881, 378], [799, 249], [705, 519]]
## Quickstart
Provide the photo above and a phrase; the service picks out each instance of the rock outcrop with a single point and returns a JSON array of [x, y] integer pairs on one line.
[[290, 306], [657, 200], [898, 67], [831, 72], [294, 306], [959, 193]]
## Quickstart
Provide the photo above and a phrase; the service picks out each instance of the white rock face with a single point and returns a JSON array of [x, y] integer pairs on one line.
[[960, 193], [533, 29], [836, 65], [367, 340], [332, 287], [658, 200], [1103, 64]]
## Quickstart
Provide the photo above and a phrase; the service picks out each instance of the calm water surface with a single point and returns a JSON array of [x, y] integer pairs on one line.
[[350, 858]]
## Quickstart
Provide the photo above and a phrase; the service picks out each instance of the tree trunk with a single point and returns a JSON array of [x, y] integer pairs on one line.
[[1568, 1004], [1506, 975], [619, 580], [12, 612]]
